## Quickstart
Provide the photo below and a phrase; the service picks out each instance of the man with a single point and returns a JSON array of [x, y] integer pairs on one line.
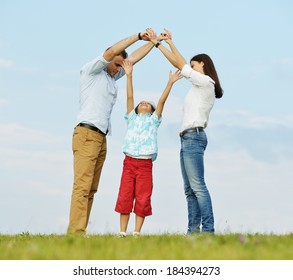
[[97, 97]]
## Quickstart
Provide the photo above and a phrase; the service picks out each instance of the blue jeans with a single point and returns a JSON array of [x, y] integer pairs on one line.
[[199, 204]]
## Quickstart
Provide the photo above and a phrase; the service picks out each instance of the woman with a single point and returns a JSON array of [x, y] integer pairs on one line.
[[197, 106]]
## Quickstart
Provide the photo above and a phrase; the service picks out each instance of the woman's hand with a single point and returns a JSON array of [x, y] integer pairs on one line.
[[166, 34]]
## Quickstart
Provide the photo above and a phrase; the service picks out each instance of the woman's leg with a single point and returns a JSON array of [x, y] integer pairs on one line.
[[194, 145], [194, 217]]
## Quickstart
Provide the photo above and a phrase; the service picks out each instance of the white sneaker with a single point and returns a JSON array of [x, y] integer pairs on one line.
[[122, 234], [136, 234]]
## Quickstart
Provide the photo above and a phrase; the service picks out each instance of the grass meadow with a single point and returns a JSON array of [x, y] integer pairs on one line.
[[26, 246]]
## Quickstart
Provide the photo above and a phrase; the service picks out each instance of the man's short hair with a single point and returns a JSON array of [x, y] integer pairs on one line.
[[124, 54]]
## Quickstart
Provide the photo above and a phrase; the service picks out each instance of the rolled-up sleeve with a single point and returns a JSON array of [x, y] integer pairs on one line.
[[195, 77], [96, 65]]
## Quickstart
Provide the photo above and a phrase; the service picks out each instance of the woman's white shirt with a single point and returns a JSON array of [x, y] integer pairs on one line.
[[199, 100]]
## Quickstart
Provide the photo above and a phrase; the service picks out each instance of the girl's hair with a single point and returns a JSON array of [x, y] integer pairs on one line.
[[210, 70], [136, 108]]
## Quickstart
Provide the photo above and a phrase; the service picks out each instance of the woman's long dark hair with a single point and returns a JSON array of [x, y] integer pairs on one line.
[[210, 70]]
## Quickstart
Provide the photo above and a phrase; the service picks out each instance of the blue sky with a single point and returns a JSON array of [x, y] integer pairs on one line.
[[249, 158]]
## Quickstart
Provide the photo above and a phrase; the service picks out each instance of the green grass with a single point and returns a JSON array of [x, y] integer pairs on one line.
[[147, 247]]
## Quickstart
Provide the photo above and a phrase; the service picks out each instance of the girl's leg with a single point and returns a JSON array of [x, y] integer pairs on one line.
[[138, 223], [124, 203], [143, 192], [124, 219]]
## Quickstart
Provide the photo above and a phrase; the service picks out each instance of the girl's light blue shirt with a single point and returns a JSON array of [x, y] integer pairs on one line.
[[141, 136]]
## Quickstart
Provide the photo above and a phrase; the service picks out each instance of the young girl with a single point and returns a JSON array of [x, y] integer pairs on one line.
[[198, 103], [140, 149]]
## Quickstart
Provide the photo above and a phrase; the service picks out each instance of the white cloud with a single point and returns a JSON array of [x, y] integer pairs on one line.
[[15, 134], [250, 195], [246, 119], [36, 176], [286, 61], [4, 101], [6, 63]]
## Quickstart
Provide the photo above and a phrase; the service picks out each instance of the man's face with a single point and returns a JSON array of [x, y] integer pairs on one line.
[[115, 65]]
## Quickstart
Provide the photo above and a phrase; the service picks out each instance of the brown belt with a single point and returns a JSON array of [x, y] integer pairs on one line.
[[94, 128]]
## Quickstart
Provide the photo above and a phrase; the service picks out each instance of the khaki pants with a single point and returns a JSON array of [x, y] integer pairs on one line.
[[89, 151]]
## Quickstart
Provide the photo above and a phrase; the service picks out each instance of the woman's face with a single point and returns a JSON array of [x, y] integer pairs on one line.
[[197, 66]]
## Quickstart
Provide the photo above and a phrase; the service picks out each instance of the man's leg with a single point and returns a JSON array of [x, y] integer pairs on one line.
[[97, 175], [86, 150]]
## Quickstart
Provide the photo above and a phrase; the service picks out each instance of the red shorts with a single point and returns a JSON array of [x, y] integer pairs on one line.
[[136, 187]]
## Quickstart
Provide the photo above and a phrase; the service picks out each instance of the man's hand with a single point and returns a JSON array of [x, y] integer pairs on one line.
[[148, 34]]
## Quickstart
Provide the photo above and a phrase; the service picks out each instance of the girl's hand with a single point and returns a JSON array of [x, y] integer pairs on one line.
[[173, 77], [127, 66]]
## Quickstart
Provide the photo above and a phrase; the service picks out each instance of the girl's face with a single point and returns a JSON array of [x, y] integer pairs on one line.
[[144, 107], [197, 66]]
